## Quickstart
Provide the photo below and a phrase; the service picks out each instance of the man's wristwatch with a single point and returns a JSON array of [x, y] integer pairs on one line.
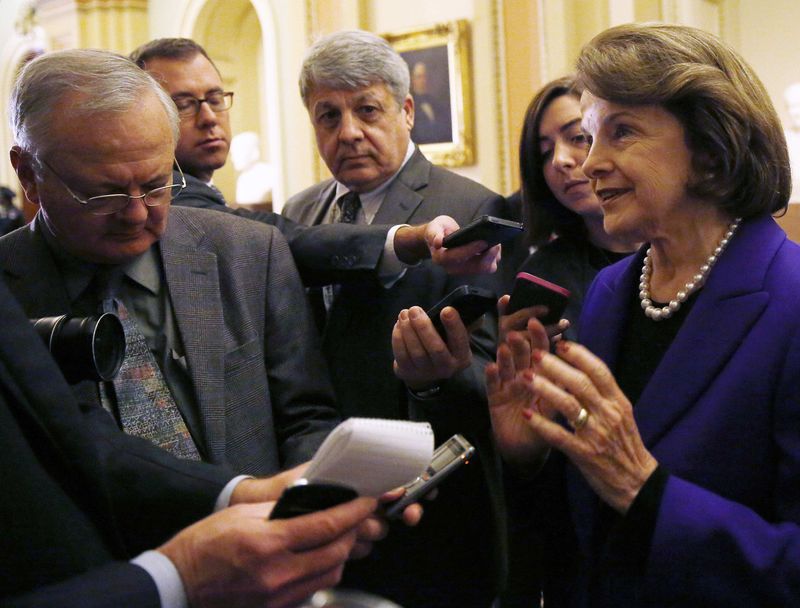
[[426, 393]]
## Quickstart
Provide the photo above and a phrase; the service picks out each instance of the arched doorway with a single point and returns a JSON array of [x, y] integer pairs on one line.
[[239, 36]]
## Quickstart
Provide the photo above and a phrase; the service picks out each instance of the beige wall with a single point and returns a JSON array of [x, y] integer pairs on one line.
[[770, 40], [285, 132], [516, 46]]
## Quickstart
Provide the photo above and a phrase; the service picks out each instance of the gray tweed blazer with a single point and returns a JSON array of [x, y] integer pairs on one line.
[[260, 383]]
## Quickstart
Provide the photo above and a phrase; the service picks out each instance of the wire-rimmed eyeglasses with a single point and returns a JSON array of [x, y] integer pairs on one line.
[[218, 101], [106, 204]]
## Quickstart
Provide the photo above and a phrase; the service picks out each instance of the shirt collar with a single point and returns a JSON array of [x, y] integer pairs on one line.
[[78, 274], [144, 270], [370, 201]]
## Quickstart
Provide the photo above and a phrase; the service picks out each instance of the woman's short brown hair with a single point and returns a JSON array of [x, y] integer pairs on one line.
[[735, 136]]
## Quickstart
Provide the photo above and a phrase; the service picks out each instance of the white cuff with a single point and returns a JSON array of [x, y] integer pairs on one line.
[[390, 268], [224, 498], [166, 577]]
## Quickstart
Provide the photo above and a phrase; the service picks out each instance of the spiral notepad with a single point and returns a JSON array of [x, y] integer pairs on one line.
[[372, 455]]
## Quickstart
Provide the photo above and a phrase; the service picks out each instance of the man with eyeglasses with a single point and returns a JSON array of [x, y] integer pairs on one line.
[[216, 298], [184, 69], [323, 254], [94, 518]]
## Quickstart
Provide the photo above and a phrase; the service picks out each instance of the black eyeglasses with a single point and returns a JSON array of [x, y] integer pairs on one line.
[[218, 101], [106, 204]]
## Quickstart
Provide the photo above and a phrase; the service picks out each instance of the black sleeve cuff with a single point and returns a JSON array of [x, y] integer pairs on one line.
[[632, 535]]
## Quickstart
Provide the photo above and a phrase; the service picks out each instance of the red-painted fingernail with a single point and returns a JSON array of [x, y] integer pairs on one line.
[[527, 414], [537, 355], [528, 375]]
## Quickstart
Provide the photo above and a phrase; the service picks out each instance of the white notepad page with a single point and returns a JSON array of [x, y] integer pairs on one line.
[[372, 455]]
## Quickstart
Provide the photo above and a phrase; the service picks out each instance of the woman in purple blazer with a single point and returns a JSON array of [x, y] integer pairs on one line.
[[674, 473]]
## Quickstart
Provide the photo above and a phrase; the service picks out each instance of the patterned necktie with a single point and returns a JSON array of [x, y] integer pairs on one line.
[[349, 205], [145, 405]]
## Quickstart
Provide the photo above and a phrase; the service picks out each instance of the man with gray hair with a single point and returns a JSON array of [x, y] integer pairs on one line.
[[356, 90], [223, 364], [99, 519], [324, 254]]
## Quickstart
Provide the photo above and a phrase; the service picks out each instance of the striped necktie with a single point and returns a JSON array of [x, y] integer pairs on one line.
[[349, 205]]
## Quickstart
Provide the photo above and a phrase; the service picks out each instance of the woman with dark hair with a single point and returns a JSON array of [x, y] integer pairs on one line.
[[668, 461], [562, 215], [564, 226]]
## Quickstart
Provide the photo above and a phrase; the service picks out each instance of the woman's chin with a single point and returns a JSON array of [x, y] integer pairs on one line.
[[619, 227]]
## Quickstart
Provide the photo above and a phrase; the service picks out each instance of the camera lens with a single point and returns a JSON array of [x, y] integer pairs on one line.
[[85, 348], [109, 346]]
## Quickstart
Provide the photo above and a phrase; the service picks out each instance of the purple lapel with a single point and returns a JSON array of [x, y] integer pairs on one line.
[[730, 303], [605, 310], [603, 317], [728, 306]]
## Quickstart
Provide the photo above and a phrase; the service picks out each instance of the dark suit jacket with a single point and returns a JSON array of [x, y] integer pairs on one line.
[[571, 263], [80, 497], [324, 255], [411, 564], [261, 385], [515, 252], [721, 414]]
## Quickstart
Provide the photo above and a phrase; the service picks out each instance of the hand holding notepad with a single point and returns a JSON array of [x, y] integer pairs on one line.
[[372, 455], [361, 457]]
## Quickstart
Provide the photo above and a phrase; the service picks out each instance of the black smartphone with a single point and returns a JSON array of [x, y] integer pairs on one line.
[[453, 453], [530, 290], [487, 228], [470, 302], [302, 498]]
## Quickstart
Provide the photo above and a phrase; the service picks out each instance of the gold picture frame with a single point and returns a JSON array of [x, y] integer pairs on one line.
[[438, 59]]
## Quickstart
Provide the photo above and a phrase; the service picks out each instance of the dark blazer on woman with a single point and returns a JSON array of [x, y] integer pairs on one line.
[[721, 414], [573, 264]]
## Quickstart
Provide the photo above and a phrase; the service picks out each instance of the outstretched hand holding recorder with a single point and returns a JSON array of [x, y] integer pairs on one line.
[[448, 457]]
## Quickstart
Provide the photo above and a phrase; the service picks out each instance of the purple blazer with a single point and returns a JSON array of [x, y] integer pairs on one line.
[[722, 414]]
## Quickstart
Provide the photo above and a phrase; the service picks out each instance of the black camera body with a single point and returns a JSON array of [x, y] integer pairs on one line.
[[85, 348]]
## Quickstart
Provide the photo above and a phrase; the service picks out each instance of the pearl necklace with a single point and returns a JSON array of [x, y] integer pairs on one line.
[[665, 312]]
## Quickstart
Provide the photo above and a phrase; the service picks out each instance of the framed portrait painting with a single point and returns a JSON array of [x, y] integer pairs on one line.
[[439, 64]]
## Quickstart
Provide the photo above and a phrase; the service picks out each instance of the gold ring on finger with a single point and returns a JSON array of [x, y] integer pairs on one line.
[[581, 419]]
